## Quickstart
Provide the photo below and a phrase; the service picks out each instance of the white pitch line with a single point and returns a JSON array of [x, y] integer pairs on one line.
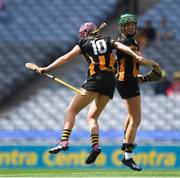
[[60, 176]]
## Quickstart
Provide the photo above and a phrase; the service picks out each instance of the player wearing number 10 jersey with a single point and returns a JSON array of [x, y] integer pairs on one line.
[[102, 64], [99, 86]]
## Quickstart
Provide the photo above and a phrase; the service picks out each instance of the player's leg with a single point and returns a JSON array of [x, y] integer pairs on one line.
[[134, 111], [76, 105], [126, 123], [127, 90], [95, 110]]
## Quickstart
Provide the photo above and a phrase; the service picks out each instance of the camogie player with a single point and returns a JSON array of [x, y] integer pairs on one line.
[[99, 86], [127, 84]]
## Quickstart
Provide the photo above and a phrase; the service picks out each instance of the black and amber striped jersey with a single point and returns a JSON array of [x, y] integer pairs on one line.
[[98, 53], [128, 67]]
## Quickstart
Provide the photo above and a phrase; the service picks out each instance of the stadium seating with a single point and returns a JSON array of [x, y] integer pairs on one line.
[[37, 113], [35, 116], [38, 119], [39, 31], [167, 9]]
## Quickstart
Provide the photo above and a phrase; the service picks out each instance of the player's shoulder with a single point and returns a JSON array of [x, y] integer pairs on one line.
[[106, 38], [83, 42]]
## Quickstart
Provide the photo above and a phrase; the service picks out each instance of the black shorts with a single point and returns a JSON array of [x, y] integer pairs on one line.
[[128, 89], [101, 82]]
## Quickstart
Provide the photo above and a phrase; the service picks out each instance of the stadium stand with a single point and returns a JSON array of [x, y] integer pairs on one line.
[[38, 118], [167, 55], [33, 30], [167, 9]]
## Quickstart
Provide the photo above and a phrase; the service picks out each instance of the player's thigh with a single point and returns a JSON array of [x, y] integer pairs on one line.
[[128, 89], [134, 106], [98, 105], [79, 102]]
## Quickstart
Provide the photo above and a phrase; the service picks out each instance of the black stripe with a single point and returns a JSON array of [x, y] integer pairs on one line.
[[158, 74], [148, 78]]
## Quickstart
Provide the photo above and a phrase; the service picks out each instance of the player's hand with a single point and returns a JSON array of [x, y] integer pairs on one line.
[[139, 58], [140, 78], [40, 70]]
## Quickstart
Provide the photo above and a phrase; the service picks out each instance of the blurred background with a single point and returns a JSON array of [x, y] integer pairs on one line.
[[32, 107]]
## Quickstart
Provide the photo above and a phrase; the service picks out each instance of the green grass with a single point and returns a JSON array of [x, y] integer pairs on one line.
[[88, 173]]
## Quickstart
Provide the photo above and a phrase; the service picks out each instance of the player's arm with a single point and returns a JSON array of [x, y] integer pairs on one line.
[[149, 62], [154, 75], [61, 60], [127, 50]]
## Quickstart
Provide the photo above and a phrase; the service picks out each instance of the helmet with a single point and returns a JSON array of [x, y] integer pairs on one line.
[[86, 29], [125, 19]]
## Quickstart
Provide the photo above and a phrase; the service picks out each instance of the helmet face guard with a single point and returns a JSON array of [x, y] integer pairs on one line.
[[86, 29], [127, 19]]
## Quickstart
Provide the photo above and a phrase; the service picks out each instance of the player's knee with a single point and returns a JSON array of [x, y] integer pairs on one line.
[[135, 122], [92, 118]]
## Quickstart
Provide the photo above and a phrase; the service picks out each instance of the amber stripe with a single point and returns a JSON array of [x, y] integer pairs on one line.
[[135, 70], [102, 62], [122, 70], [91, 69]]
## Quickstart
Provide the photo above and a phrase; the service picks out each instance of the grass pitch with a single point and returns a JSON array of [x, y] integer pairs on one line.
[[41, 173]]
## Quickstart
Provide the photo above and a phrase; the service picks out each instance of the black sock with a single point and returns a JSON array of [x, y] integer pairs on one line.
[[124, 134]]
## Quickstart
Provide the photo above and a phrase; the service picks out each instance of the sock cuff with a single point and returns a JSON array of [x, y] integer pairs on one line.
[[94, 135], [67, 130]]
